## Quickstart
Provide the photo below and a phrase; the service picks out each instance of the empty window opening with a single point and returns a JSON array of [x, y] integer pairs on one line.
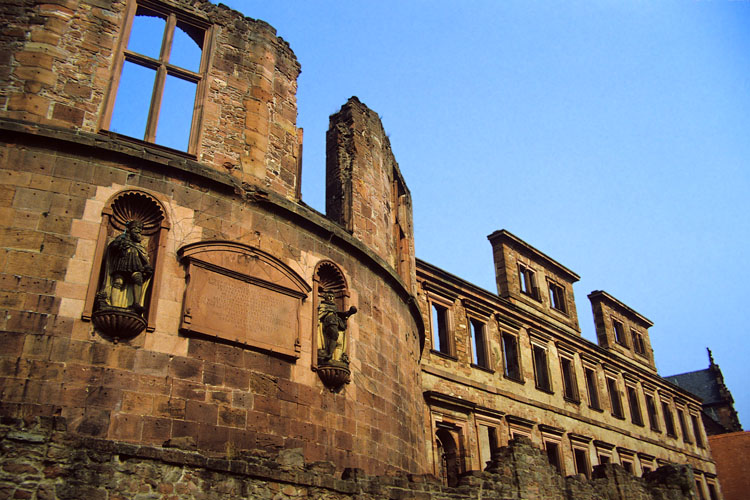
[[712, 494], [638, 345], [697, 431], [156, 94], [628, 466], [527, 281], [541, 371], [683, 426], [592, 388], [619, 332], [557, 297], [668, 420], [440, 337], [614, 398], [699, 489], [635, 406], [570, 385], [581, 459], [487, 444], [511, 365], [603, 459], [478, 343], [553, 455], [653, 418]]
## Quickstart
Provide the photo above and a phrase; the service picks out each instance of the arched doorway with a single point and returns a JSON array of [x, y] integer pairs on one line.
[[448, 457]]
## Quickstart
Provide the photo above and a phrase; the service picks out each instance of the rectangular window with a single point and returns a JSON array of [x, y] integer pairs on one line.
[[581, 458], [592, 388], [541, 370], [683, 426], [614, 398], [699, 489], [527, 280], [553, 455], [161, 70], [487, 444], [712, 493], [570, 385], [619, 332], [653, 418], [557, 297], [603, 459], [697, 431], [646, 469], [638, 344], [440, 335], [668, 420], [627, 465], [635, 407], [478, 343], [511, 365]]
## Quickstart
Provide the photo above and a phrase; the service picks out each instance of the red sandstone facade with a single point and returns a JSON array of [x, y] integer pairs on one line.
[[224, 345]]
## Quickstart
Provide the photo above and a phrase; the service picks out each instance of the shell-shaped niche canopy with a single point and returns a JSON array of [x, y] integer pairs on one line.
[[127, 265]]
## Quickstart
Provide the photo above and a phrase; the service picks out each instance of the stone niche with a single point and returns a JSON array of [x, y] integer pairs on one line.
[[242, 295]]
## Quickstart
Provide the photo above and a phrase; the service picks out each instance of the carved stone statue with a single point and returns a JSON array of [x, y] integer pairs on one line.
[[127, 271], [332, 325]]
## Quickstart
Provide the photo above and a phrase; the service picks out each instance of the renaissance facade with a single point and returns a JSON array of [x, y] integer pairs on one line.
[[164, 285]]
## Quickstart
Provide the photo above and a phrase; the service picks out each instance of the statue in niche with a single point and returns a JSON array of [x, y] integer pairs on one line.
[[332, 325], [127, 272]]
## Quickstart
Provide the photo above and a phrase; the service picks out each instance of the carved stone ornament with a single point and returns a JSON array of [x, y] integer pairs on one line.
[[332, 339], [133, 224]]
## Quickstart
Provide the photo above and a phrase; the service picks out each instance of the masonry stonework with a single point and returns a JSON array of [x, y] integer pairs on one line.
[[427, 387]]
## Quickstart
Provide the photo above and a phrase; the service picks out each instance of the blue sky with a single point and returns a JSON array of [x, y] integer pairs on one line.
[[611, 135]]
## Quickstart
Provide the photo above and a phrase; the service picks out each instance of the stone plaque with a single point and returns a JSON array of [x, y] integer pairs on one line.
[[242, 295]]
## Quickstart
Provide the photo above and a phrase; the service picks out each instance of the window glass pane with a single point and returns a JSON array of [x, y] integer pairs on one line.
[[186, 47], [176, 114], [147, 33], [133, 100]]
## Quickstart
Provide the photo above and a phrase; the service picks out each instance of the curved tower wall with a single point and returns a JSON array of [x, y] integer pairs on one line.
[[228, 359]]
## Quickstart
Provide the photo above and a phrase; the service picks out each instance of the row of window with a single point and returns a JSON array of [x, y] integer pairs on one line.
[[552, 443], [511, 368]]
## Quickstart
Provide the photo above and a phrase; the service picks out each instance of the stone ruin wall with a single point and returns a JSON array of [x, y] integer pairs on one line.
[[40, 460]]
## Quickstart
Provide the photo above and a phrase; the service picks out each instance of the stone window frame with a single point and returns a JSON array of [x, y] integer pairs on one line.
[[527, 281], [557, 299], [604, 451], [700, 482], [581, 444], [636, 411], [163, 68], [553, 436], [618, 331], [592, 367], [113, 217], [696, 424], [628, 456], [613, 390], [653, 418], [680, 410], [473, 315], [519, 426], [638, 340], [712, 486], [438, 303], [668, 415], [503, 333], [568, 356], [457, 427], [646, 463], [494, 432], [540, 344]]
